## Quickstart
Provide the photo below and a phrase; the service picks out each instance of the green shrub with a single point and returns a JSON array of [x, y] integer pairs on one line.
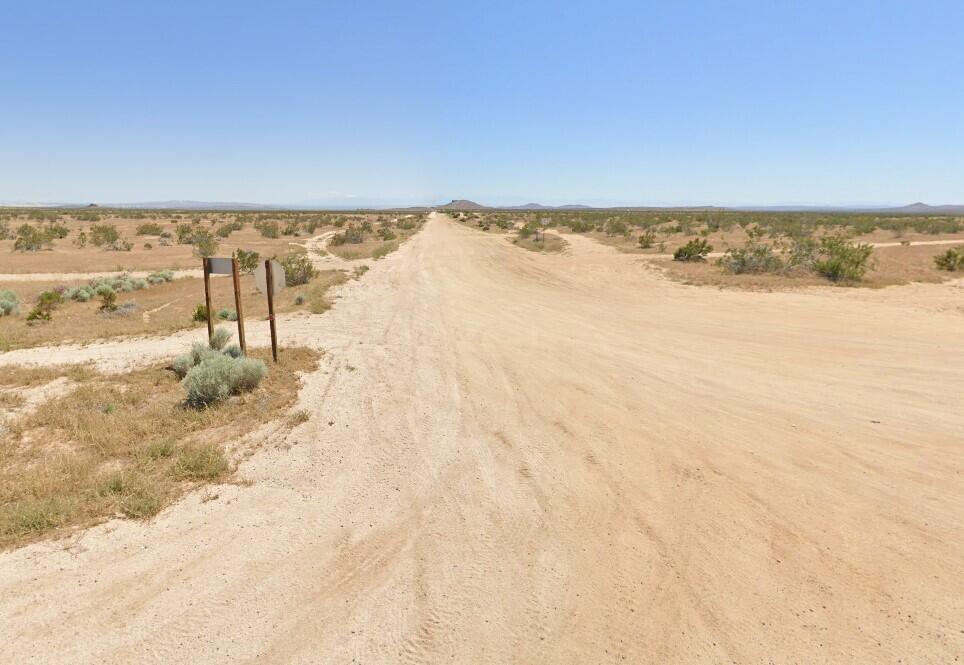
[[220, 337], [108, 298], [104, 235], [30, 239], [216, 378], [225, 230], [247, 260], [386, 233], [754, 257], [150, 229], [298, 269], [79, 293], [227, 314], [160, 277], [352, 235], [9, 303], [951, 260], [841, 260], [646, 240], [695, 250], [205, 244], [268, 229], [200, 313], [47, 301]]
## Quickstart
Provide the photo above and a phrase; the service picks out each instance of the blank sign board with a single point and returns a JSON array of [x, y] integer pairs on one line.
[[277, 276], [219, 266]]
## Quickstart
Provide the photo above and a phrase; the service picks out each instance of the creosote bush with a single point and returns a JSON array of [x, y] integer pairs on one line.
[[695, 250], [298, 269], [247, 261], [952, 260]]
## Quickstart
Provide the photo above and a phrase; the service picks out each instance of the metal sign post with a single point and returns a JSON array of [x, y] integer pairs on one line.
[[270, 278], [215, 266], [269, 284], [236, 277], [206, 263]]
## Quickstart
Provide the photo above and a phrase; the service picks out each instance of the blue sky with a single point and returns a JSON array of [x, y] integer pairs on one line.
[[503, 102]]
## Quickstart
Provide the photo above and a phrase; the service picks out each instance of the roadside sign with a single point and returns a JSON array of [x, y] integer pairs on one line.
[[220, 266], [223, 267], [277, 275]]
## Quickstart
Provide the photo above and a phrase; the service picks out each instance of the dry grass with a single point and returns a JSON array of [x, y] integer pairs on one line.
[[316, 295], [548, 243], [125, 444], [160, 309]]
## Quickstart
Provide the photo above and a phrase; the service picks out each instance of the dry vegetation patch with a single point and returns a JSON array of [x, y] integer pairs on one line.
[[157, 309], [124, 444], [548, 243]]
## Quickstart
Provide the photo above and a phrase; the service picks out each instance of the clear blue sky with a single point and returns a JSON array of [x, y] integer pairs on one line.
[[502, 102]]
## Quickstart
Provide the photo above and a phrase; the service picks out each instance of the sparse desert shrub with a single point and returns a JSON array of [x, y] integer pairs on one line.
[[79, 293], [104, 235], [9, 303], [160, 277], [108, 298], [842, 260], [217, 377], [30, 239], [291, 229], [298, 269], [247, 260], [528, 230], [386, 233], [646, 239], [268, 229], [352, 235], [200, 313], [227, 314], [56, 230], [220, 337], [300, 299], [150, 229], [695, 250], [616, 227], [205, 244], [225, 230], [754, 257], [951, 260], [47, 301], [81, 239]]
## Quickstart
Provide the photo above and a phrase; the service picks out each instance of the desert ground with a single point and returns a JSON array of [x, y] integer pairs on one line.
[[514, 456]]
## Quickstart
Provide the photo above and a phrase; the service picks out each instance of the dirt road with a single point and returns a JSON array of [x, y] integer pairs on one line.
[[555, 459]]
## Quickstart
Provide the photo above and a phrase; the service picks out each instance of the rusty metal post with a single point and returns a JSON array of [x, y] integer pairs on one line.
[[207, 296], [237, 304], [269, 283]]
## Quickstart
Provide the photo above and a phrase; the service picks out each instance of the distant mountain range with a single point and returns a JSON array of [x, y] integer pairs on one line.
[[467, 205], [912, 209]]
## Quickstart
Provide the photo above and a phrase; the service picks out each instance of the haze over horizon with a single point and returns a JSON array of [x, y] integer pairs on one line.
[[630, 104]]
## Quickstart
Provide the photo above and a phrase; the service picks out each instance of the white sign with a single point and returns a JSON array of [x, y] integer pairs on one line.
[[219, 266], [277, 277]]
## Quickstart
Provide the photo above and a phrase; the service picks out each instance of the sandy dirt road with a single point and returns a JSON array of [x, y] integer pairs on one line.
[[516, 458]]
